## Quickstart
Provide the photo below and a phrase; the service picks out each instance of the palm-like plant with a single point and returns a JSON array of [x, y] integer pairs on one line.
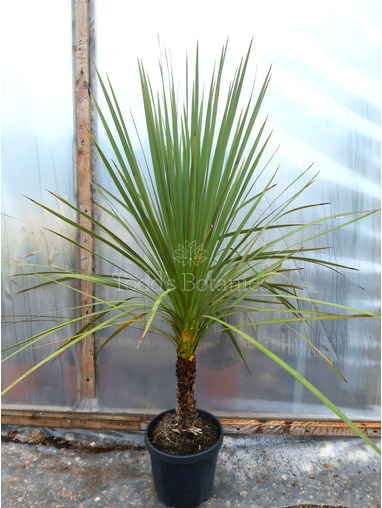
[[204, 234]]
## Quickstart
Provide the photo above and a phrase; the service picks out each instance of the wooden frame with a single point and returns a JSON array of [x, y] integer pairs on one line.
[[135, 423]]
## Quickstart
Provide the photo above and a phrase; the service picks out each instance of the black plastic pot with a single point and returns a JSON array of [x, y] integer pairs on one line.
[[184, 481]]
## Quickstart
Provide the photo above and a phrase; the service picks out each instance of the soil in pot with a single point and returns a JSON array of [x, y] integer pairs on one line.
[[163, 437]]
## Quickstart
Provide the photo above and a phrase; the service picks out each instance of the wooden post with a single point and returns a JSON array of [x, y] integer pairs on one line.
[[84, 190]]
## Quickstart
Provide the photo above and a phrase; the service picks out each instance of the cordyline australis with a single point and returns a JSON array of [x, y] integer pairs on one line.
[[199, 212]]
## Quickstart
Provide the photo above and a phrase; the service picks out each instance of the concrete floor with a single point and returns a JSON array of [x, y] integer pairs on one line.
[[113, 470]]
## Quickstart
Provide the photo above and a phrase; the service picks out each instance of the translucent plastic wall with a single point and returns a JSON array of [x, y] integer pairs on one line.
[[324, 108], [37, 156]]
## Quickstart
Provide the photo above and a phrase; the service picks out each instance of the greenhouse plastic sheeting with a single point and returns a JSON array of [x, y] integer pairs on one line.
[[324, 108], [323, 104], [37, 155]]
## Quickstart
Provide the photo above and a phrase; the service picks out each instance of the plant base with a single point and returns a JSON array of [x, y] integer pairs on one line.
[[183, 481]]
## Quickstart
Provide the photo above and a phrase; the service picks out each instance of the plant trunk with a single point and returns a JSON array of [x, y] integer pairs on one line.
[[185, 394]]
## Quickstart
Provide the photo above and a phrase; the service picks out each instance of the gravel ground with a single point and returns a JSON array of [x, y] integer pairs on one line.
[[89, 469]]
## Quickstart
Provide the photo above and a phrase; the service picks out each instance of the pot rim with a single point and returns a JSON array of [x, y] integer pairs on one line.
[[195, 457]]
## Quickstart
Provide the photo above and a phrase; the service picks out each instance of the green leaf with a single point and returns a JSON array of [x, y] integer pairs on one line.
[[302, 380], [154, 310]]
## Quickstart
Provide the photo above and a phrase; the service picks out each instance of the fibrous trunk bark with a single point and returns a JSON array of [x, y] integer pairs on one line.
[[186, 410]]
